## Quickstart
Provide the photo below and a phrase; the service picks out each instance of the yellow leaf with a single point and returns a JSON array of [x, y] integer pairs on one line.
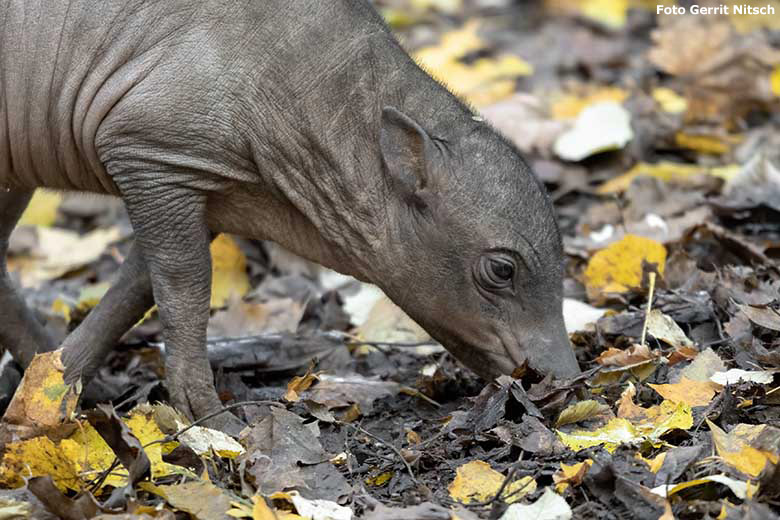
[[299, 384], [90, 455], [91, 295], [201, 499], [633, 426], [39, 456], [613, 434], [454, 45], [261, 510], [655, 463], [775, 81], [716, 145], [618, 268], [379, 480], [569, 106], [61, 307], [580, 411], [665, 171], [669, 100], [692, 393], [228, 266], [741, 448], [570, 475], [476, 481], [611, 13], [444, 6], [144, 427], [484, 81], [42, 209], [43, 399]]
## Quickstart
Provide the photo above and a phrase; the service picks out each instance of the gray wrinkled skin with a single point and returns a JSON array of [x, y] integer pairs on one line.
[[300, 122]]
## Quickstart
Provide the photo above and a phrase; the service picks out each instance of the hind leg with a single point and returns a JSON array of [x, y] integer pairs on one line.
[[20, 331]]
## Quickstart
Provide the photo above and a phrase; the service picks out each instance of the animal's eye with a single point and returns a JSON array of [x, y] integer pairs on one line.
[[496, 273], [502, 271]]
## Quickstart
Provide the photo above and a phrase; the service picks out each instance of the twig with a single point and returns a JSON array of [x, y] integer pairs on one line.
[[384, 442], [173, 437], [649, 306], [354, 343], [416, 393]]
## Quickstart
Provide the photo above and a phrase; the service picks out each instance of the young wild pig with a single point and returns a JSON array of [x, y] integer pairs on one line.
[[300, 122]]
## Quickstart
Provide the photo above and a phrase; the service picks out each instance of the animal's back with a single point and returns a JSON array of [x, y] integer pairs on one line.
[[64, 66]]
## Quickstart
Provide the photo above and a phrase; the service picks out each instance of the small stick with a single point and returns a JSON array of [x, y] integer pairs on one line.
[[170, 438], [382, 441], [649, 306], [175, 436]]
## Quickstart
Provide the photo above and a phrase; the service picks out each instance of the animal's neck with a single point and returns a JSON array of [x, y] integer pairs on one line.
[[341, 189]]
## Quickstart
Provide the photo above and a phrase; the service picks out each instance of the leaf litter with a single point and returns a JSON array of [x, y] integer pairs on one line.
[[354, 412]]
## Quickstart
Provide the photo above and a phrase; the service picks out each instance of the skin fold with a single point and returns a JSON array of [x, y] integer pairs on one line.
[[304, 123]]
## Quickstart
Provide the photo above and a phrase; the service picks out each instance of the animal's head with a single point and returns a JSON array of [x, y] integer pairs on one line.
[[480, 261]]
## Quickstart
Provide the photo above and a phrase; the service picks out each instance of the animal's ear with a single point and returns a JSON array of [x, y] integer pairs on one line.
[[407, 152]]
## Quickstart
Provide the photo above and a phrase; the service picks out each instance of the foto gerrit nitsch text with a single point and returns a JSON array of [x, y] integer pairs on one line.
[[720, 9]]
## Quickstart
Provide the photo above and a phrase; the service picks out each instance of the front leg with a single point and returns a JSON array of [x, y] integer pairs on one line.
[[125, 303], [170, 227]]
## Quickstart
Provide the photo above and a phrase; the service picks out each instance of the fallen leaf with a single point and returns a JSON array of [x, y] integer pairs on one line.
[[655, 463], [578, 315], [664, 328], [59, 251], [735, 375], [39, 456], [242, 318], [618, 268], [202, 499], [42, 209], [745, 447], [524, 120], [708, 144], [665, 171], [13, 509], [741, 490], [388, 323], [581, 411], [692, 393], [570, 475], [484, 81], [766, 317], [205, 441], [669, 100], [632, 356], [73, 461], [319, 509], [549, 506], [704, 366], [229, 278], [43, 400], [476, 481], [569, 106], [775, 81], [618, 431], [299, 384], [599, 128]]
